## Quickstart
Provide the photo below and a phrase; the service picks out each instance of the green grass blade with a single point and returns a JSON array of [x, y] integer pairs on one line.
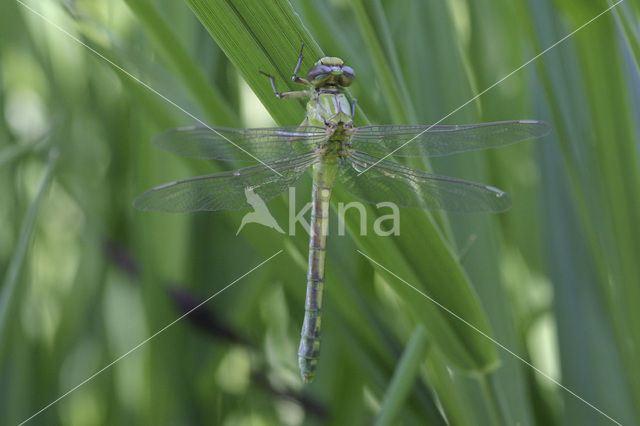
[[261, 36], [390, 82], [406, 373], [11, 293], [207, 96], [590, 89], [627, 21]]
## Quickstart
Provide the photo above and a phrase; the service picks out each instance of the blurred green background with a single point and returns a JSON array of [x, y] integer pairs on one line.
[[85, 277]]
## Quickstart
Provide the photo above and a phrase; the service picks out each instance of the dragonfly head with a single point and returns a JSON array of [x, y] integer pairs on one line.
[[330, 71]]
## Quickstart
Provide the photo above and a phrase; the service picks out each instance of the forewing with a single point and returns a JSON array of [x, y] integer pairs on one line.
[[220, 143], [227, 190], [432, 141], [408, 187]]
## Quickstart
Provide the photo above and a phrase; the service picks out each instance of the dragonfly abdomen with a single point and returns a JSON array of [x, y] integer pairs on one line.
[[309, 349]]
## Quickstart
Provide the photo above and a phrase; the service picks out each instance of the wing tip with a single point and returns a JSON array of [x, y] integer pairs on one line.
[[543, 125], [502, 201]]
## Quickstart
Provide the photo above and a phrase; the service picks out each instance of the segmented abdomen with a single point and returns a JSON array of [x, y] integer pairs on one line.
[[309, 348]]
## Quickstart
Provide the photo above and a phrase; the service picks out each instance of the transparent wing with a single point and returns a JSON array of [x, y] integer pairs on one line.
[[408, 187], [232, 190], [222, 143], [427, 141]]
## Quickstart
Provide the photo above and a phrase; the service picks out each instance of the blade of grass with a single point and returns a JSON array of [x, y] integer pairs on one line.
[[264, 36], [391, 55], [452, 397], [11, 293], [599, 151], [390, 82], [207, 96], [493, 401], [406, 373], [630, 29]]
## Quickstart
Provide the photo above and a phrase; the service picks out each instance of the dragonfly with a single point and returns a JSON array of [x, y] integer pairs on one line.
[[328, 143]]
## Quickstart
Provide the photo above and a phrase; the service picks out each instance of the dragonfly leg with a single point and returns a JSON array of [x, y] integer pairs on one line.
[[284, 95], [353, 107], [295, 77]]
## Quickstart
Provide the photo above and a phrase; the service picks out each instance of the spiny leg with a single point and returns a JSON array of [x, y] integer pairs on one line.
[[295, 77], [283, 95], [273, 83]]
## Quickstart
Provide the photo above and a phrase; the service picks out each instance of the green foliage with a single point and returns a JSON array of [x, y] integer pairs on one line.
[[88, 278]]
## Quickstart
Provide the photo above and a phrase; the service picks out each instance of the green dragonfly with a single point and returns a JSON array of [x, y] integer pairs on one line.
[[329, 144]]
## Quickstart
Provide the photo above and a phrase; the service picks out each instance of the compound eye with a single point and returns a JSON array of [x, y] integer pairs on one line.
[[348, 70], [317, 71]]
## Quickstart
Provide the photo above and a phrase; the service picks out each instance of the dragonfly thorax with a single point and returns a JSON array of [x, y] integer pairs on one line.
[[338, 144], [326, 108]]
